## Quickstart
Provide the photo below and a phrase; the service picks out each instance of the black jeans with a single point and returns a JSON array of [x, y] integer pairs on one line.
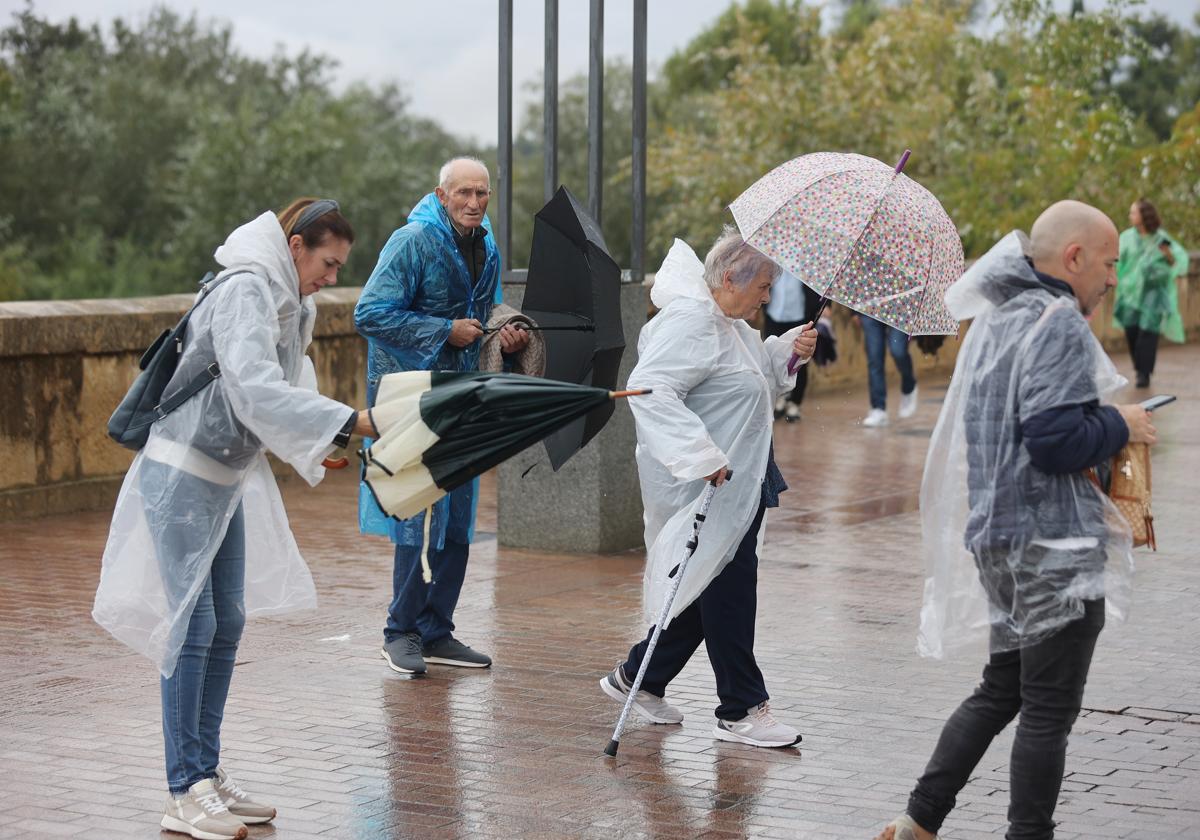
[[723, 618], [1044, 682], [1143, 349]]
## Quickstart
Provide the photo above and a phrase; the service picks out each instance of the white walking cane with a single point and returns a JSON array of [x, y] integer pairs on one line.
[[677, 575]]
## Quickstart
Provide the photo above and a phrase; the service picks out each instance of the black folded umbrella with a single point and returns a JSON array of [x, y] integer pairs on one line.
[[440, 430], [574, 291]]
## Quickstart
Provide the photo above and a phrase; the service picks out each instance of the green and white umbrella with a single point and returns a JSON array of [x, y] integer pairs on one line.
[[440, 430]]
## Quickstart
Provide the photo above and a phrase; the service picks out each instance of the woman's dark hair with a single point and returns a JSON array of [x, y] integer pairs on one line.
[[315, 232], [1150, 220]]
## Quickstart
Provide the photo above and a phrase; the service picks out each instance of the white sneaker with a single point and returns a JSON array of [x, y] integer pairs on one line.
[[239, 802], [780, 405], [908, 404], [200, 813], [875, 418], [758, 729], [654, 709], [791, 412]]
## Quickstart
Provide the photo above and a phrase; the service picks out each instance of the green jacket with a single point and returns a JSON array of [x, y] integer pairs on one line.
[[1147, 296]]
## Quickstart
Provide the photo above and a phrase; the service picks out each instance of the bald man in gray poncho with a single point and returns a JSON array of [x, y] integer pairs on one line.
[[1021, 544]]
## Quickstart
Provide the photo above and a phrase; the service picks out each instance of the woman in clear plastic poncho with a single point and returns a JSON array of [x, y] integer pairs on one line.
[[714, 384], [1147, 304], [199, 538]]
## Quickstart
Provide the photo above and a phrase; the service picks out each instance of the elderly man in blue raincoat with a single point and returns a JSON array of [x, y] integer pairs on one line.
[[424, 308]]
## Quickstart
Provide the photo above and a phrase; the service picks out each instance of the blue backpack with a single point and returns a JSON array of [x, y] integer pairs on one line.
[[144, 403]]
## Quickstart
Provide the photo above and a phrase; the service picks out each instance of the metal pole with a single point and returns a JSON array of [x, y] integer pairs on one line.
[[504, 145], [637, 262], [596, 111], [550, 103]]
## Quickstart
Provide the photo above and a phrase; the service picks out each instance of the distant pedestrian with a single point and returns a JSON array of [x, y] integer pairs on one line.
[[1021, 544], [1147, 304], [791, 304], [876, 335], [199, 502], [715, 382]]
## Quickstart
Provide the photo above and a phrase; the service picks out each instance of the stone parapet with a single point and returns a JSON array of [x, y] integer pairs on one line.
[[64, 365]]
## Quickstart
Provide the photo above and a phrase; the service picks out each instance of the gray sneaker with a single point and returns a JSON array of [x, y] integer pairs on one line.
[[239, 802], [758, 729], [450, 651], [654, 709], [403, 654], [200, 813]]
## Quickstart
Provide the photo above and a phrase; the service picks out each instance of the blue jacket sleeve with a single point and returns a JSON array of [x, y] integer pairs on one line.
[[385, 312], [1072, 438]]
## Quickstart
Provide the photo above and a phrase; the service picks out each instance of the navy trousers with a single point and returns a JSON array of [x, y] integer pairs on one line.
[[723, 618]]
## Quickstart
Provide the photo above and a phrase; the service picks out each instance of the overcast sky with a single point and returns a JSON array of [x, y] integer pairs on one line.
[[442, 52]]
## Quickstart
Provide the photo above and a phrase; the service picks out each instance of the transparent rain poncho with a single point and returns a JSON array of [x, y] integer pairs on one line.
[[206, 457], [715, 382], [1011, 551], [418, 288]]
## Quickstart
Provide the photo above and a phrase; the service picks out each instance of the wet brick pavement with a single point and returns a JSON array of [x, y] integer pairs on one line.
[[347, 749]]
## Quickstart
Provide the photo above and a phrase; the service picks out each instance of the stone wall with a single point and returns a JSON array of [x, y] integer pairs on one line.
[[65, 364]]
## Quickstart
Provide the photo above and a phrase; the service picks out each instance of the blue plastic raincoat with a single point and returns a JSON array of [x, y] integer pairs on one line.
[[419, 287]]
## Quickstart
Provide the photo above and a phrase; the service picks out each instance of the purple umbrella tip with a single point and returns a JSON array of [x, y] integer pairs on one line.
[[903, 160]]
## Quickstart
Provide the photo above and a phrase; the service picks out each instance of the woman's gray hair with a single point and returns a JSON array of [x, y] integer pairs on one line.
[[731, 253]]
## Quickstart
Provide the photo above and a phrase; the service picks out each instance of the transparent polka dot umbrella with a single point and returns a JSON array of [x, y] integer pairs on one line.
[[859, 232]]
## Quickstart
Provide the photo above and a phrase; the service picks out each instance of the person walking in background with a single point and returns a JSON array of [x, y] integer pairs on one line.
[[200, 498], [876, 335], [791, 303], [1147, 303], [423, 308], [1006, 502]]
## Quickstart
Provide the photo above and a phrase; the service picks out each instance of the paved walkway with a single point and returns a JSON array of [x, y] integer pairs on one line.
[[348, 750]]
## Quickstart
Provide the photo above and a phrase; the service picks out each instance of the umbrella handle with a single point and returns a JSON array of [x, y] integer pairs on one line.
[[335, 463], [794, 361]]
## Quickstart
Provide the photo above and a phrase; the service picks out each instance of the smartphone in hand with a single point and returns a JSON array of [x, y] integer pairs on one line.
[[1157, 402]]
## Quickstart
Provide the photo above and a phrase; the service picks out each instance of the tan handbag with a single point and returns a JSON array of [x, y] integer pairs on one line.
[[1130, 491]]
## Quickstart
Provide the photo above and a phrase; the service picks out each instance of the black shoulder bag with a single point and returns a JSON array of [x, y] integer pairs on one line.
[[143, 403]]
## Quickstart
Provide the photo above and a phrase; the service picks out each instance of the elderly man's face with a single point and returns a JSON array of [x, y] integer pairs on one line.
[[466, 195], [745, 302]]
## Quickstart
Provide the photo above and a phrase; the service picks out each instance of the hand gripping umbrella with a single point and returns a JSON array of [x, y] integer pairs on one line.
[[437, 431], [573, 292], [859, 232], [676, 575]]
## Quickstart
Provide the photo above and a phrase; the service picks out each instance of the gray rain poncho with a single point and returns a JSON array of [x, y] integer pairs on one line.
[[715, 382], [208, 455], [1012, 551]]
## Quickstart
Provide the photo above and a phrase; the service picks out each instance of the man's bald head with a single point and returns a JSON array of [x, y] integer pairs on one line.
[[1076, 243]]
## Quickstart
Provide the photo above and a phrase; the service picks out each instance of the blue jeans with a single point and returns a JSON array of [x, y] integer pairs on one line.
[[420, 607], [193, 697], [723, 618], [1044, 683], [875, 334]]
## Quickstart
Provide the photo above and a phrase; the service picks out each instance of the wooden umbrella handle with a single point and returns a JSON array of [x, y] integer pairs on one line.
[[335, 463]]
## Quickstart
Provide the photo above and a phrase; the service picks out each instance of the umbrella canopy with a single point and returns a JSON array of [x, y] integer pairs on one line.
[[574, 282], [859, 232], [440, 430]]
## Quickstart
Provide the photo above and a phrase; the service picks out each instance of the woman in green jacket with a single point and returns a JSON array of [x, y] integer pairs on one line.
[[1147, 303]]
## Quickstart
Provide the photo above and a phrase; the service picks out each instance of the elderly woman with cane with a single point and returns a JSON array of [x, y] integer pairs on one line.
[[199, 538], [714, 383]]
